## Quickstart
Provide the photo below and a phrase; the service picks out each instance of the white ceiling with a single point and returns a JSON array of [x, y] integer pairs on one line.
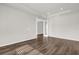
[[46, 8]]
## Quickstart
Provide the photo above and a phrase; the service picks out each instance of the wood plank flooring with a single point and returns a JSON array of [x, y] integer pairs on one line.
[[46, 46]]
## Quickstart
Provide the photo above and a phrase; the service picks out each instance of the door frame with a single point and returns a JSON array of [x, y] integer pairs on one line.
[[45, 26]]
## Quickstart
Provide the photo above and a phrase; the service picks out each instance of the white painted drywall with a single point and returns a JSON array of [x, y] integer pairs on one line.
[[64, 26], [40, 27], [15, 25]]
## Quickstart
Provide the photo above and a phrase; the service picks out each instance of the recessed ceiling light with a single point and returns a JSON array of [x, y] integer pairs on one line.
[[61, 8]]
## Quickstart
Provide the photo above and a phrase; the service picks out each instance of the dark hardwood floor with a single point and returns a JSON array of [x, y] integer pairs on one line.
[[42, 46]]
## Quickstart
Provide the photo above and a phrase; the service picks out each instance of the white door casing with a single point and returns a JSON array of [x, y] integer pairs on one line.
[[44, 26]]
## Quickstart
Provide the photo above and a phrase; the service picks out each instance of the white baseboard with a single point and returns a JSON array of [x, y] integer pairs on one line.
[[17, 41], [46, 35], [67, 38]]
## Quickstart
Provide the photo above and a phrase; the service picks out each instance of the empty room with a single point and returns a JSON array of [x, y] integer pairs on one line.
[[39, 28]]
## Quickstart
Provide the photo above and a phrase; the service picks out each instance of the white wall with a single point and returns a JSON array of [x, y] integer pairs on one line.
[[64, 26], [15, 25]]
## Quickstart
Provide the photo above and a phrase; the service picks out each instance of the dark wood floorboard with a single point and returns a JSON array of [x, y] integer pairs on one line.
[[45, 46]]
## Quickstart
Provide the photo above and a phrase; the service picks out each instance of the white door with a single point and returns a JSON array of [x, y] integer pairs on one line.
[[41, 26]]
